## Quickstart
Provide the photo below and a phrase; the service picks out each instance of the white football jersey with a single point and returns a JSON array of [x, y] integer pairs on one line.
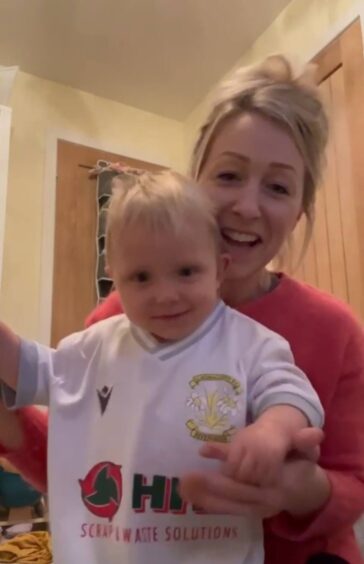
[[127, 418]]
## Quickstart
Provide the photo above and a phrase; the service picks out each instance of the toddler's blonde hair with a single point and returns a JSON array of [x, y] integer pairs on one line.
[[164, 201]]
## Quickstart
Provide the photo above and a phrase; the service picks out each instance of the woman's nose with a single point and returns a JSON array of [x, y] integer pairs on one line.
[[247, 203]]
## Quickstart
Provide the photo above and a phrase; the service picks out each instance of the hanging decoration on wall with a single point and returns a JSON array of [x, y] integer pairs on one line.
[[104, 172]]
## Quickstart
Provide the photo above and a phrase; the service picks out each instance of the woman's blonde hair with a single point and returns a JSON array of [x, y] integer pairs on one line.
[[163, 201], [292, 101]]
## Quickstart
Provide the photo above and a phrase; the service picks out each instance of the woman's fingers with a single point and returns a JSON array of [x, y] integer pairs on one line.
[[220, 486], [194, 489], [215, 493]]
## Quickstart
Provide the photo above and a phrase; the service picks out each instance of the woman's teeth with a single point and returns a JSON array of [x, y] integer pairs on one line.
[[240, 237]]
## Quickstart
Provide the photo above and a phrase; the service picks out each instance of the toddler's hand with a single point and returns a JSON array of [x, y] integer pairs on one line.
[[256, 455]]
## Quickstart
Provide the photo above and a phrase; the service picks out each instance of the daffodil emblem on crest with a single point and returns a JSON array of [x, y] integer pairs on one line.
[[214, 399]]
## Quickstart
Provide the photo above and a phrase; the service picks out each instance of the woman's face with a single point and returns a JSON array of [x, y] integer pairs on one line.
[[254, 173]]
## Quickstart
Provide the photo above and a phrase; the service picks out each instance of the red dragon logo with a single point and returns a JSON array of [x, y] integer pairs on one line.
[[101, 489]]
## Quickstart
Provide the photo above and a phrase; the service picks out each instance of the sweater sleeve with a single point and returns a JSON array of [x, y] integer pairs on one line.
[[31, 458], [342, 453], [109, 307]]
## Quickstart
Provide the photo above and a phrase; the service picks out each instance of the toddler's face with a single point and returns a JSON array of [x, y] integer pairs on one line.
[[168, 282]]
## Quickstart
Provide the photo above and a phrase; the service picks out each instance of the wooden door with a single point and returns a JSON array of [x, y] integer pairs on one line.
[[335, 258], [74, 273]]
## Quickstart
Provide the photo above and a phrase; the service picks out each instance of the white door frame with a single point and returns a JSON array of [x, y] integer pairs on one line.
[[5, 130]]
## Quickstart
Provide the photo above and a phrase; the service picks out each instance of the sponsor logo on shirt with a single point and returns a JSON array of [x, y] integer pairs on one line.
[[101, 489], [101, 492]]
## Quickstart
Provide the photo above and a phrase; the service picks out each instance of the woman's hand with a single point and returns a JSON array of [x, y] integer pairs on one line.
[[215, 493], [301, 489]]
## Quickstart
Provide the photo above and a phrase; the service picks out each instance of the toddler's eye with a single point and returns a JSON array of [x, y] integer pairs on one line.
[[142, 276], [187, 271]]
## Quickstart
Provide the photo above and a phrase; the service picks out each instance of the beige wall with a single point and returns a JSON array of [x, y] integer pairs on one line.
[[40, 106], [300, 31]]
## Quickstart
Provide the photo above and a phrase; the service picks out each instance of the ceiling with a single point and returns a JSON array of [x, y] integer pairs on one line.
[[157, 55]]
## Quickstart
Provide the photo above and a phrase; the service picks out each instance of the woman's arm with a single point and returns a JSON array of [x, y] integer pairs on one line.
[[11, 434], [26, 446], [342, 460]]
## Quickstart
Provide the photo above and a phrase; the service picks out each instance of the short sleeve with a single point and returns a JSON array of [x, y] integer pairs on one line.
[[274, 379]]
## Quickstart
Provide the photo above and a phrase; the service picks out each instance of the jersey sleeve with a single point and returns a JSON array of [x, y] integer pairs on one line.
[[342, 453], [35, 373], [39, 365], [31, 457], [274, 379]]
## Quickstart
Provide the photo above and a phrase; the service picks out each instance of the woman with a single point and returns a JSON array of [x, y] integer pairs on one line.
[[259, 156]]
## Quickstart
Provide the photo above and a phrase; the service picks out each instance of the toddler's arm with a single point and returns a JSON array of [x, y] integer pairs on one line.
[[9, 356], [281, 402], [259, 450]]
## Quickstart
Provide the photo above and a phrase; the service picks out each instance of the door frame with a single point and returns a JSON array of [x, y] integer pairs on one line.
[[49, 212], [5, 131]]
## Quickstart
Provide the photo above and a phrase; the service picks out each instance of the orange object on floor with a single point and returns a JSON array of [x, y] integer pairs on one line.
[[29, 548]]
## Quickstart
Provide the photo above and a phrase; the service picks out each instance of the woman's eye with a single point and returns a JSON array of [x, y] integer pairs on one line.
[[278, 188], [228, 176]]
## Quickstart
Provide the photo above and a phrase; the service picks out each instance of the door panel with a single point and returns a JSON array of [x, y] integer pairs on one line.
[[74, 273], [335, 257]]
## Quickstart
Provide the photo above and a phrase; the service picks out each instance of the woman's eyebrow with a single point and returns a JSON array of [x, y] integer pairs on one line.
[[235, 155], [246, 159], [285, 166]]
